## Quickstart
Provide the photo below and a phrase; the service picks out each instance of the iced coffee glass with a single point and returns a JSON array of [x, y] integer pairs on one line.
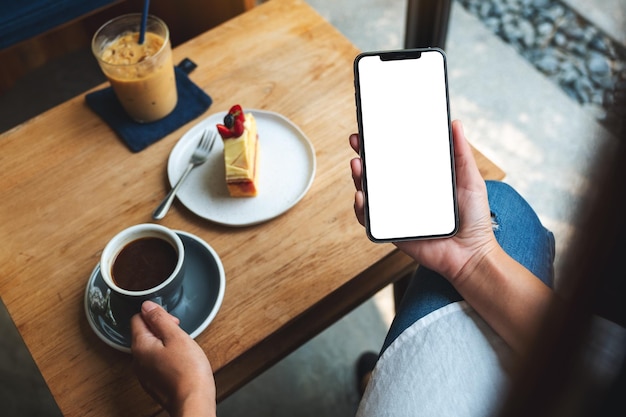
[[142, 76]]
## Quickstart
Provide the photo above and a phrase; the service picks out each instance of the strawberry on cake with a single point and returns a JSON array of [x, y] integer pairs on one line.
[[241, 152]]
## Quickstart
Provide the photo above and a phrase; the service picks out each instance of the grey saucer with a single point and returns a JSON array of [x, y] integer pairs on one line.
[[203, 292]]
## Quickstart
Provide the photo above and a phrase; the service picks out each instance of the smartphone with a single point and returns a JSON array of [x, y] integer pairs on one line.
[[406, 145]]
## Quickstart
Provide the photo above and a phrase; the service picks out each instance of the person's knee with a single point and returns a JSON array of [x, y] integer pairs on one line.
[[507, 204], [501, 191], [519, 230]]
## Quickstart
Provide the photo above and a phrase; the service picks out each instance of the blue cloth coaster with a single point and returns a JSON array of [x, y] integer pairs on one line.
[[192, 102]]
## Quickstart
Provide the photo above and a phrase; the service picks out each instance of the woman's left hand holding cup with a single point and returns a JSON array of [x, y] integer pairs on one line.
[[170, 365]]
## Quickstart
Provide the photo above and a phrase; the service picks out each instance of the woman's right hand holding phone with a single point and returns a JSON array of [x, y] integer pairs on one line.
[[448, 256], [505, 294]]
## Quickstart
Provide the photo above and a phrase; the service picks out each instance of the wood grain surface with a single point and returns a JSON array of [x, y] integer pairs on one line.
[[69, 184]]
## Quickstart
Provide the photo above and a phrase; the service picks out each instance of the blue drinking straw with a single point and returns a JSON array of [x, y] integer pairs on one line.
[[144, 22]]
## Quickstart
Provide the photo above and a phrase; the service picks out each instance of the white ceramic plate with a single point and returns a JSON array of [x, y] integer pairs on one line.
[[286, 172]]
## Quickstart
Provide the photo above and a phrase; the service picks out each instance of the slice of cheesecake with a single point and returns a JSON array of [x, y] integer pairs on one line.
[[241, 152]]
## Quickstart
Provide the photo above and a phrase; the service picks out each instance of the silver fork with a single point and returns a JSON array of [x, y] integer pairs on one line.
[[199, 156]]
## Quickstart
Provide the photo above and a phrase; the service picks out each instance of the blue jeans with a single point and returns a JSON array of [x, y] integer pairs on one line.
[[517, 229]]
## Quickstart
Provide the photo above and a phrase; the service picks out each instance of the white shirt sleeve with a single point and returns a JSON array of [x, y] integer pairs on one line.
[[449, 363]]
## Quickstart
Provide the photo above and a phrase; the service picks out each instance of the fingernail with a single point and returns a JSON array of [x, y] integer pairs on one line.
[[148, 306]]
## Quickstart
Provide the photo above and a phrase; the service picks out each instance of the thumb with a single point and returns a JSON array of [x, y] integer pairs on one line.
[[465, 164], [461, 145], [140, 330], [162, 324]]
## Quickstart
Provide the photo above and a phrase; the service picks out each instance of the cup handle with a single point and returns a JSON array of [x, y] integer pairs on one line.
[[102, 304], [159, 300]]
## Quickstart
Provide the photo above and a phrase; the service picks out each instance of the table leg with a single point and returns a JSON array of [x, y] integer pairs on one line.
[[399, 289], [427, 23]]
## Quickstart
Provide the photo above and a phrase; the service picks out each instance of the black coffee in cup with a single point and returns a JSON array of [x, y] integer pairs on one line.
[[144, 263]]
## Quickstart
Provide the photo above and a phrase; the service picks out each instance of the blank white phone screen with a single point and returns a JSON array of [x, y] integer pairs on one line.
[[405, 132]]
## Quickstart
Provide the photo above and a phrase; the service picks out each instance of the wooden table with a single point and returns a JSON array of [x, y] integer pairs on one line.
[[69, 184]]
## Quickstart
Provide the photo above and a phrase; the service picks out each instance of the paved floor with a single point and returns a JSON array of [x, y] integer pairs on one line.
[[545, 142]]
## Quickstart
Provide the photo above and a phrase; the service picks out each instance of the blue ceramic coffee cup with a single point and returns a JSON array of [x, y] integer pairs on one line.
[[143, 262]]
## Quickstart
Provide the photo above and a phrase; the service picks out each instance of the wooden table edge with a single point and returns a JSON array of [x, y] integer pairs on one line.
[[317, 318]]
